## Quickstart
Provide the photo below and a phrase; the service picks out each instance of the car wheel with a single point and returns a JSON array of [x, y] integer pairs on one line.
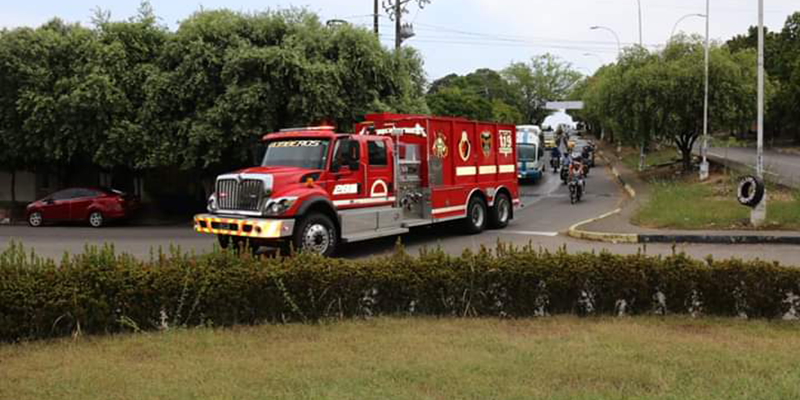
[[501, 212], [96, 219], [35, 219], [476, 216], [316, 234]]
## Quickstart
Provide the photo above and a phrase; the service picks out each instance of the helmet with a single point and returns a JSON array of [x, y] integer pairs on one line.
[[577, 157]]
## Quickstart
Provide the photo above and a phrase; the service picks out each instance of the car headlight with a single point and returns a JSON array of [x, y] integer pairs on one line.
[[212, 203], [279, 206]]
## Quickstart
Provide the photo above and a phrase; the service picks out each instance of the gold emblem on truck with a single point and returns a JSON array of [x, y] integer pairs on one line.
[[464, 146], [486, 143], [440, 145]]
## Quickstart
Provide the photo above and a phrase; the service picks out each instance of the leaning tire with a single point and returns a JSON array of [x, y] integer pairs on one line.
[[316, 233], [96, 219], [476, 216], [500, 213], [35, 219], [751, 191]]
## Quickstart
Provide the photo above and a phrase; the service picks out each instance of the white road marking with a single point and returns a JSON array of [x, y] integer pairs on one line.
[[532, 233]]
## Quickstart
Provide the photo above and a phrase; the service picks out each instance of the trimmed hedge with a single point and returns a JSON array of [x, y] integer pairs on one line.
[[100, 291]]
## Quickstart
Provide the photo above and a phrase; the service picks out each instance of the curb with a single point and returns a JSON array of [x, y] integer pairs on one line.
[[720, 239], [615, 238], [627, 187]]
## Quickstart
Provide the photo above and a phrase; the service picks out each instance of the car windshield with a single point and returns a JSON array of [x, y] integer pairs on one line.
[[301, 153], [526, 151]]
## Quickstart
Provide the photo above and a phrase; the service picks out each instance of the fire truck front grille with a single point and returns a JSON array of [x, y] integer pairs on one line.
[[244, 195]]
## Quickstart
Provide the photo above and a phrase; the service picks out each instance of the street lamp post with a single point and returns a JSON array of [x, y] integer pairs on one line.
[[704, 150], [759, 214], [639, 2], [594, 55], [681, 20], [619, 45]]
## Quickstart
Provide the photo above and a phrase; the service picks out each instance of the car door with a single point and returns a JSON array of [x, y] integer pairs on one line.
[[79, 205], [379, 184], [56, 207], [346, 186]]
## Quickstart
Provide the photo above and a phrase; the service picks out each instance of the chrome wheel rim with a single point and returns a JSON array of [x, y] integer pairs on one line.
[[503, 210], [477, 215], [96, 219], [35, 219], [317, 239]]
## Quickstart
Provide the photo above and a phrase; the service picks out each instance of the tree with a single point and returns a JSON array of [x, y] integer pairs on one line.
[[545, 78], [649, 96], [226, 78], [129, 54], [481, 95], [781, 61]]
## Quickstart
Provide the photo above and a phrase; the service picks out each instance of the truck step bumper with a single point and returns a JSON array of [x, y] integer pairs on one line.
[[245, 227]]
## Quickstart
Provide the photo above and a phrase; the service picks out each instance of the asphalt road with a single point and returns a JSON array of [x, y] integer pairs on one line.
[[781, 167], [546, 213]]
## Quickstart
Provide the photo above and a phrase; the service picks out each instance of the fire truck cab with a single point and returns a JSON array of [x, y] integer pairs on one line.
[[317, 188]]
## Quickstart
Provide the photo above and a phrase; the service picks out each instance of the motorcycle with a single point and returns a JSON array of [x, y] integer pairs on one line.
[[575, 189], [554, 163], [588, 155]]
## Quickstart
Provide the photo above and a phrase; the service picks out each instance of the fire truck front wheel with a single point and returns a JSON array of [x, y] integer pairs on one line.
[[476, 215], [500, 212], [316, 233]]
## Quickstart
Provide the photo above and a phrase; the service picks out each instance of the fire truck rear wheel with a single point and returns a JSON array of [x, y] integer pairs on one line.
[[501, 212], [476, 215], [316, 233]]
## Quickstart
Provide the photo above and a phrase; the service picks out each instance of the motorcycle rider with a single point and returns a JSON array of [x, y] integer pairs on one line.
[[555, 158], [576, 170]]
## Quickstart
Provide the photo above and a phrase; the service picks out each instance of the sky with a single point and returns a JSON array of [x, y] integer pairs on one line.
[[460, 36]]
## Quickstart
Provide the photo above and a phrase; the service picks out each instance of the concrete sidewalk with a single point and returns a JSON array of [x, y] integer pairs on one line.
[[616, 227]]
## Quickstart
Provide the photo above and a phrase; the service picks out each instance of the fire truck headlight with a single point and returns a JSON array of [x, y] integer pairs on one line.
[[212, 203], [277, 207]]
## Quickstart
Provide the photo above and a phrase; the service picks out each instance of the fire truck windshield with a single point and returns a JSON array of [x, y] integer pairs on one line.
[[300, 153]]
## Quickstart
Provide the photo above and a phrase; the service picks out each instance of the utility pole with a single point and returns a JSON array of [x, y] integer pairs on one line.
[[396, 8], [375, 19], [398, 40], [704, 148], [759, 214]]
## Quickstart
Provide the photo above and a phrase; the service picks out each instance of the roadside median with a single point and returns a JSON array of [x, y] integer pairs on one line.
[[616, 227]]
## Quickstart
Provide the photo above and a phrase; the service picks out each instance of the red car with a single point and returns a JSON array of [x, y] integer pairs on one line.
[[93, 205]]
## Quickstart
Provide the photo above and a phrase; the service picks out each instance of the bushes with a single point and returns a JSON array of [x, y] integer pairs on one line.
[[102, 292]]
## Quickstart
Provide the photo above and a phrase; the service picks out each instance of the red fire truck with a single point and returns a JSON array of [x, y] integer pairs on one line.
[[317, 188]]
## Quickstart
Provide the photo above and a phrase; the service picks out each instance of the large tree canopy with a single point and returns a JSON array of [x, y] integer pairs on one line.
[[133, 95], [646, 96], [545, 78], [481, 95]]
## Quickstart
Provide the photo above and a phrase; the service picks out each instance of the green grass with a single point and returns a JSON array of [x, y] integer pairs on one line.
[[663, 156], [558, 358], [693, 205]]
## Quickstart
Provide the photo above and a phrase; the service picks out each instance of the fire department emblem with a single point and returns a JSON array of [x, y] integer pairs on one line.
[[440, 145], [506, 144], [464, 146], [486, 143]]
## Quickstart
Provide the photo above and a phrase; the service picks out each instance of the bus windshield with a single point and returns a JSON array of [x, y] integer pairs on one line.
[[526, 151], [300, 153]]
